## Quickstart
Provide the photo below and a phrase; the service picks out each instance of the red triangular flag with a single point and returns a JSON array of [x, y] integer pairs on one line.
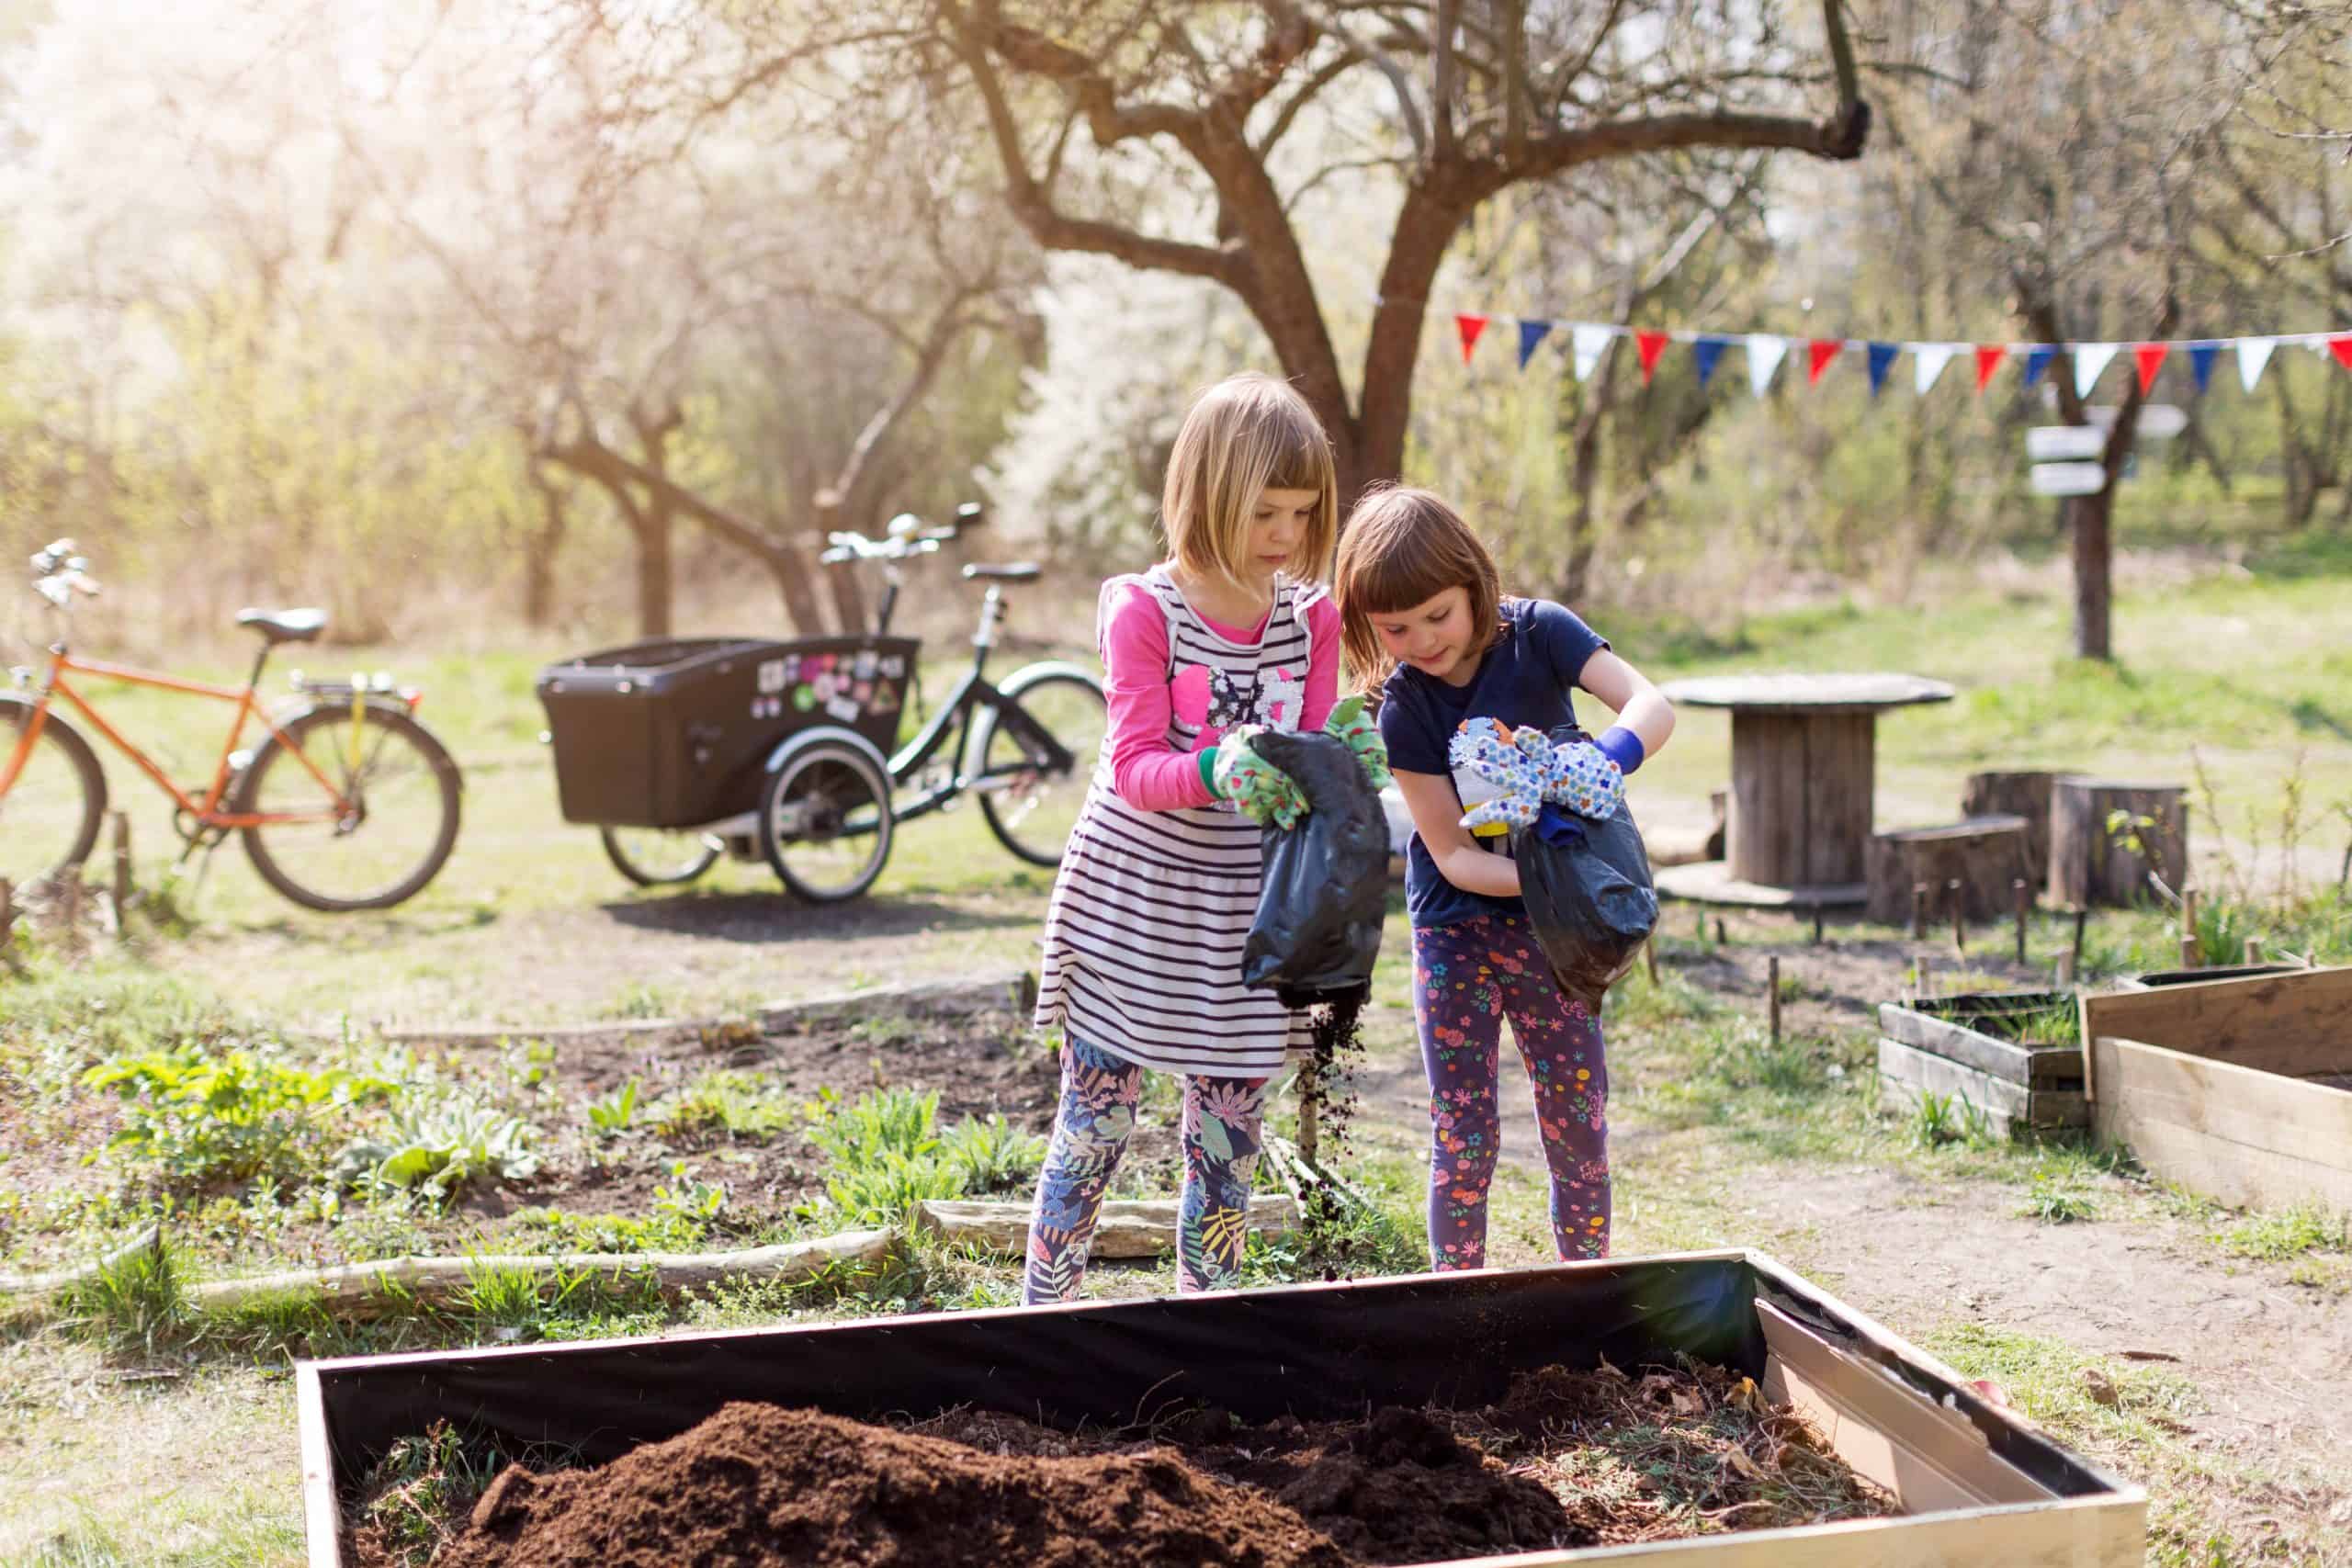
[[2150, 358], [1649, 345], [1989, 359], [1822, 350], [1469, 327], [2341, 346]]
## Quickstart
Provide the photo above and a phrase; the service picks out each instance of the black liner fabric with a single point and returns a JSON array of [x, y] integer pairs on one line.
[[1325, 893], [1590, 898], [1316, 1352]]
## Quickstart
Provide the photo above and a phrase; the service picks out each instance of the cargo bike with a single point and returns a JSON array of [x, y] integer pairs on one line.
[[679, 751]]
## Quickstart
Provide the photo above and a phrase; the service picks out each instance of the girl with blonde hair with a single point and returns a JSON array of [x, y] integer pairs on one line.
[[1159, 883]]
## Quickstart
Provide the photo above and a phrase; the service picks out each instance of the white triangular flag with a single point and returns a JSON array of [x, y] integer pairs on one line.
[[1928, 362], [2253, 353], [2090, 359], [1765, 353], [1586, 345]]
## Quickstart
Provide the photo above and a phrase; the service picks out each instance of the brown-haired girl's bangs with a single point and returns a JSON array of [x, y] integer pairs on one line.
[[1404, 547]]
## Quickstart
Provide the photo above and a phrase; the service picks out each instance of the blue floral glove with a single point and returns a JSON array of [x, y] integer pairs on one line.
[[1530, 772]]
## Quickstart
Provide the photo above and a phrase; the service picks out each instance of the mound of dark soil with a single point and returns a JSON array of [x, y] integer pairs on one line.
[[757, 1485]]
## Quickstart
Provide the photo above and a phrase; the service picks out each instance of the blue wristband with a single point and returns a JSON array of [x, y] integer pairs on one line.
[[1622, 747]]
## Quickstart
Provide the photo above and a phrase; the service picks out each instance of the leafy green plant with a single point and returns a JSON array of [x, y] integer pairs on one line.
[[686, 1198], [882, 1122], [610, 1114], [2054, 1201], [2290, 1233], [993, 1153], [733, 1104], [881, 1189], [133, 1301], [206, 1119], [1941, 1119], [436, 1148]]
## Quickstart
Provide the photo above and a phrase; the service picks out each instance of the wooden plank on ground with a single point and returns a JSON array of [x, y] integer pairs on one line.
[[1958, 1043], [1011, 990], [2246, 1137], [1928, 1457], [2078, 1532], [1126, 1227], [2293, 1024]]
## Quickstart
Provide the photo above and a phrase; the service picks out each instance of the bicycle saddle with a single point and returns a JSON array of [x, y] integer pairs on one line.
[[1020, 571], [285, 626]]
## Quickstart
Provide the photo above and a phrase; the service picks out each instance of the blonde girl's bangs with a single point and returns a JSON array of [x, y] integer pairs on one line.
[[1245, 435]]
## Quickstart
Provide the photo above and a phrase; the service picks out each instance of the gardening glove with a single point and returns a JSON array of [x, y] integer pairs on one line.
[[1530, 771], [1258, 789], [1350, 724]]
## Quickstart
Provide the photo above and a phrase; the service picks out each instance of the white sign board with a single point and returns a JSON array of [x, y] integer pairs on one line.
[[2159, 422], [2067, 478], [2064, 443]]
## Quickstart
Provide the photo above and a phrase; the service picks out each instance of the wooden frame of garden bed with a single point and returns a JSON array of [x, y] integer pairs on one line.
[[2020, 1088], [1982, 1487], [2210, 1084]]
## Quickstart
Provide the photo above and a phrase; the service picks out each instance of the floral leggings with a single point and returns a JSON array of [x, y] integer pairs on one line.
[[1466, 979], [1090, 1132]]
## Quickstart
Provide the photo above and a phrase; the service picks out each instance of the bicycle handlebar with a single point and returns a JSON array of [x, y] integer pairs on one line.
[[903, 539], [59, 574]]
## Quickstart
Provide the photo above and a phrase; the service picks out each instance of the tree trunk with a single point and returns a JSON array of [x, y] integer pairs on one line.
[[540, 547], [656, 574], [2094, 572]]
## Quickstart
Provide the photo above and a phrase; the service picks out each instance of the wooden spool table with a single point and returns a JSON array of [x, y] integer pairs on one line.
[[1803, 754]]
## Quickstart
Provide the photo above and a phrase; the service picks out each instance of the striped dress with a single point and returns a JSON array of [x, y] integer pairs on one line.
[[1144, 937]]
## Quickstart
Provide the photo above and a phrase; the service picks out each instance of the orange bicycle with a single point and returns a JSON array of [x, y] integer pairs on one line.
[[345, 803]]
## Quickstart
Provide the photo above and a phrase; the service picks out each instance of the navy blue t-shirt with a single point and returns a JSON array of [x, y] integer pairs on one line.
[[1524, 678]]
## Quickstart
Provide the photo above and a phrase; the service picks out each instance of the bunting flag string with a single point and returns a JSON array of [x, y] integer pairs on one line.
[[1589, 341]]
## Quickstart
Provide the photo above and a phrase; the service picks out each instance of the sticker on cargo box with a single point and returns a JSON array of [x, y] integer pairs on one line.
[[772, 676], [886, 698], [842, 710], [804, 698], [865, 668], [894, 666]]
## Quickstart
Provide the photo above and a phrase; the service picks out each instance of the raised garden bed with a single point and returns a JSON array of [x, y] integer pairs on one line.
[[2015, 1057], [2158, 978], [2239, 1089], [1975, 1484]]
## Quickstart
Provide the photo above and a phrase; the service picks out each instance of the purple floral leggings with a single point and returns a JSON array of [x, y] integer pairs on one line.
[[1466, 979], [1090, 1133]]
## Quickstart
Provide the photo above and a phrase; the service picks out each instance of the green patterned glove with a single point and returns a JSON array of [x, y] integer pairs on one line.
[[1351, 724], [1259, 790]]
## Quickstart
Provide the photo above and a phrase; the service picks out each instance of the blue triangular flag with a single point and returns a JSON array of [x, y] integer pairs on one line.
[[2037, 359], [1882, 360], [2200, 361], [1529, 334], [1710, 351]]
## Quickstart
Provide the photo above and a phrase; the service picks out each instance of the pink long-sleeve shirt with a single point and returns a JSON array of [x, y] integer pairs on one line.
[[1148, 773]]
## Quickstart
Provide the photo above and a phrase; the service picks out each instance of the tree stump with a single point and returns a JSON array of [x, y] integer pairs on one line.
[[2092, 866], [1983, 855], [2018, 793]]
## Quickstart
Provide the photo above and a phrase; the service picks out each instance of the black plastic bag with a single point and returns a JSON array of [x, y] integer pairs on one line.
[[1325, 893], [1589, 893]]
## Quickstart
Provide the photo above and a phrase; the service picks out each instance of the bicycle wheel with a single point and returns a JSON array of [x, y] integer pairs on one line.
[[825, 822], [48, 819], [1030, 804], [395, 827], [659, 857]]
